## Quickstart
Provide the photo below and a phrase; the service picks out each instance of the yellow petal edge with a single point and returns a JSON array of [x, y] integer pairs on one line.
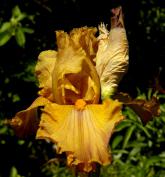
[[43, 70]]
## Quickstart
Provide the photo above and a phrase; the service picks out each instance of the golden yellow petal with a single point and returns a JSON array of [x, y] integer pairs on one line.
[[74, 75], [85, 37], [111, 58], [82, 133], [26, 122], [43, 70]]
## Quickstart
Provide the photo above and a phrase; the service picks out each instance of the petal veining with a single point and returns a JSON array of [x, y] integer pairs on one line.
[[83, 134], [112, 56]]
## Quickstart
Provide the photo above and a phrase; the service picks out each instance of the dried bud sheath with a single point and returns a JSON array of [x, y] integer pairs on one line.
[[112, 56]]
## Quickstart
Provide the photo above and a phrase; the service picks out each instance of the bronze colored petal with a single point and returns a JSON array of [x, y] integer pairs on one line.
[[145, 109], [26, 122]]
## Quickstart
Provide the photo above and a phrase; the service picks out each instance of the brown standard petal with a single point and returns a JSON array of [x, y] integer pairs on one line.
[[74, 75]]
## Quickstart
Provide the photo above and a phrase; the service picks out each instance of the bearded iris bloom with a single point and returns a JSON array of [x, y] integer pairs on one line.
[[76, 83]]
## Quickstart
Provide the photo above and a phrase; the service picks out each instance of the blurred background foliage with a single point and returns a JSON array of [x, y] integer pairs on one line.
[[27, 28]]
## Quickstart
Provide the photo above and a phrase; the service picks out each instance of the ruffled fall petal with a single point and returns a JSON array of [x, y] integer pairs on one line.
[[82, 131], [26, 122], [112, 57], [43, 70], [74, 75]]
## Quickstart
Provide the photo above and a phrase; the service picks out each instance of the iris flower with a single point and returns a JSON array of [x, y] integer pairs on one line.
[[76, 83]]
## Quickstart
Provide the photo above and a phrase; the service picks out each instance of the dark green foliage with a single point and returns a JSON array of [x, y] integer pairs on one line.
[[14, 28], [138, 150]]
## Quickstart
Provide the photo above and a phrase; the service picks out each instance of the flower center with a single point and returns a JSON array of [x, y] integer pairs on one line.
[[80, 104]]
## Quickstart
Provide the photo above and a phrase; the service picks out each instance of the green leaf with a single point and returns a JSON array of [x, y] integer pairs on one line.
[[134, 151], [140, 94], [144, 129], [21, 17], [3, 130], [17, 15], [20, 37], [149, 95], [4, 38], [13, 172], [120, 151], [116, 141], [124, 124], [27, 30], [152, 160], [5, 26], [128, 135], [16, 11], [162, 96], [15, 98], [131, 114]]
